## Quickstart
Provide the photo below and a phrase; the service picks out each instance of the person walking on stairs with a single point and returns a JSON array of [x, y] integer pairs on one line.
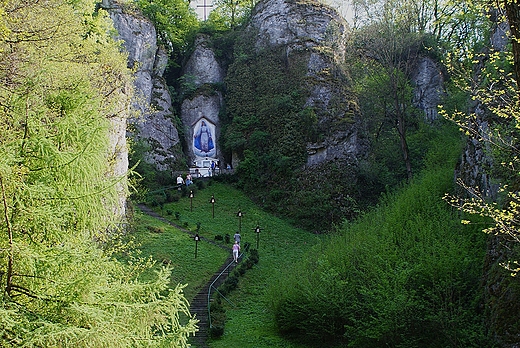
[[237, 237], [236, 250]]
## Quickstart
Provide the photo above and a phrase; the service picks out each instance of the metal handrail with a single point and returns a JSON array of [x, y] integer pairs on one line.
[[211, 286]]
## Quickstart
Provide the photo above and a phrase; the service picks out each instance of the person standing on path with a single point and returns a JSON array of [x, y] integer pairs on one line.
[[180, 182], [236, 237], [236, 249]]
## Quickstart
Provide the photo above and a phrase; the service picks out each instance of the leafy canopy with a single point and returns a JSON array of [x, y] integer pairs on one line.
[[65, 86]]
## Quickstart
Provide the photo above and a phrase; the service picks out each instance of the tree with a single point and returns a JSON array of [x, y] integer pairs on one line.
[[494, 89], [174, 20], [64, 81], [231, 12], [512, 9], [391, 49]]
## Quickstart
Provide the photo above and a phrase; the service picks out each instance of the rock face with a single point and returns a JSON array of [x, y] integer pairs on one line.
[[501, 290], [428, 82], [154, 120], [319, 32], [298, 25], [200, 110], [119, 159]]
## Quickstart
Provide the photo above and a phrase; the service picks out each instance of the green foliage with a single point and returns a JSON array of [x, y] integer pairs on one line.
[[228, 14], [175, 248], [217, 311], [268, 126], [65, 83], [406, 275], [492, 125], [174, 20]]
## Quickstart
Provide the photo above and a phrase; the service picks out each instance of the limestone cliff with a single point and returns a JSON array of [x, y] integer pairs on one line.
[[318, 32], [501, 290], [428, 82], [153, 121], [203, 102]]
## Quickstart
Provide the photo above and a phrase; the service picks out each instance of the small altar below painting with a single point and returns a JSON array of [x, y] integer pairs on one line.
[[204, 168]]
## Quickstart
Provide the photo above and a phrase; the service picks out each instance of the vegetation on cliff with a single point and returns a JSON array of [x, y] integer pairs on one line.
[[405, 274]]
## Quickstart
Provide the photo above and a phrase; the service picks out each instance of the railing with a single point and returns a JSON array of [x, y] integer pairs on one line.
[[211, 286]]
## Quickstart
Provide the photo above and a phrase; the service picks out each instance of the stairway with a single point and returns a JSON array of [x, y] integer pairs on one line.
[[199, 305]]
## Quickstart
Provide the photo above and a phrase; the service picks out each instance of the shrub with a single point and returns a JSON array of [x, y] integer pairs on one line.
[[216, 331], [199, 184], [156, 200], [407, 275], [217, 311], [155, 229], [172, 196], [218, 319]]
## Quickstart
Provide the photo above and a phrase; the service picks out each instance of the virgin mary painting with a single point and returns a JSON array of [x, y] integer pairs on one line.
[[203, 145]]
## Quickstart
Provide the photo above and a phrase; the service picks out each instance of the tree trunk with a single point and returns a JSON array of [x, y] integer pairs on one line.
[[9, 275], [513, 17]]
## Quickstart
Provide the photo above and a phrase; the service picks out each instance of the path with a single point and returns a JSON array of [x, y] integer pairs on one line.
[[199, 304]]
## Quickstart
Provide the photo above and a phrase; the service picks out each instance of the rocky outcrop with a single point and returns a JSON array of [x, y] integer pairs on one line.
[[501, 289], [428, 91], [154, 119], [118, 151], [300, 25], [202, 73], [318, 32], [202, 66]]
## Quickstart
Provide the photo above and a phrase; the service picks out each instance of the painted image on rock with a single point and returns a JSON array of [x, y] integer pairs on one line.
[[203, 139]]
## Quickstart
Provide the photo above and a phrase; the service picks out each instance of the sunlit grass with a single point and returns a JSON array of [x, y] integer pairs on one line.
[[169, 245], [250, 320]]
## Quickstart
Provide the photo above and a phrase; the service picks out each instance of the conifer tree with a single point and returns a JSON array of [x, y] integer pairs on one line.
[[63, 81]]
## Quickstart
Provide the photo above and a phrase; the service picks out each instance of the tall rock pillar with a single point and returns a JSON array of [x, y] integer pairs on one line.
[[201, 107]]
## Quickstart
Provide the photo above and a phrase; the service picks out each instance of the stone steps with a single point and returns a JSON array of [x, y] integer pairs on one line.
[[199, 305]]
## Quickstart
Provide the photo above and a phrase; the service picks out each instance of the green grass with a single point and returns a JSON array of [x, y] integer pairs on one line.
[[250, 321], [170, 245]]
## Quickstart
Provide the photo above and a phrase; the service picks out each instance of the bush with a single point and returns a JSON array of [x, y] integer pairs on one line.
[[199, 184], [218, 319], [155, 229], [216, 331], [156, 200], [172, 196], [218, 315], [407, 275]]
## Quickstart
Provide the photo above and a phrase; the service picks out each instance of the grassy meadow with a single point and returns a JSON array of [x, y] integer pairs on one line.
[[406, 265], [250, 321]]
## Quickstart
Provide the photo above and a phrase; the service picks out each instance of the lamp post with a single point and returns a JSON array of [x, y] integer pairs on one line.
[[239, 215], [197, 238], [257, 231], [212, 201], [191, 200]]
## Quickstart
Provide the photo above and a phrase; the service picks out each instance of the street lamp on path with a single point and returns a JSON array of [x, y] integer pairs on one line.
[[212, 201], [257, 231], [197, 238], [239, 215]]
